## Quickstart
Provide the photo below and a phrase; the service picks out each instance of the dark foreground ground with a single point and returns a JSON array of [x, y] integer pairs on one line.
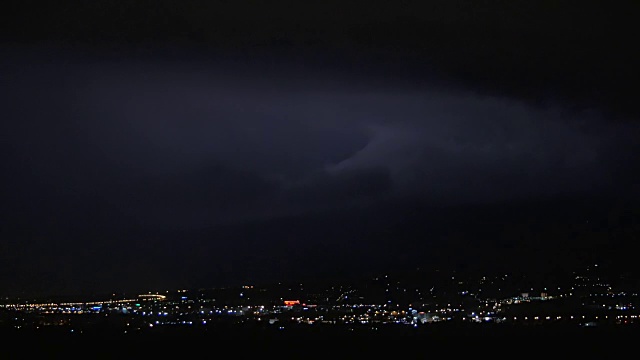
[[491, 341]]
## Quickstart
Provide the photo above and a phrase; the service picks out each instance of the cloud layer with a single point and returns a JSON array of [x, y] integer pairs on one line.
[[198, 145]]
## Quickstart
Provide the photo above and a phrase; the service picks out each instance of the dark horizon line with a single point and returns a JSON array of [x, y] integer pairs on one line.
[[407, 271]]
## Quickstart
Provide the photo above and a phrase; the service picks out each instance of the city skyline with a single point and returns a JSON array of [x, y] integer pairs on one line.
[[421, 302]]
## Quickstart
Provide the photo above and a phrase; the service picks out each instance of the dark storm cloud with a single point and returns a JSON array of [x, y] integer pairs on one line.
[[201, 142], [456, 147], [197, 144]]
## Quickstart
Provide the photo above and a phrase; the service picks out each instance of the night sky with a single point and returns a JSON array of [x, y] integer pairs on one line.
[[152, 145]]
